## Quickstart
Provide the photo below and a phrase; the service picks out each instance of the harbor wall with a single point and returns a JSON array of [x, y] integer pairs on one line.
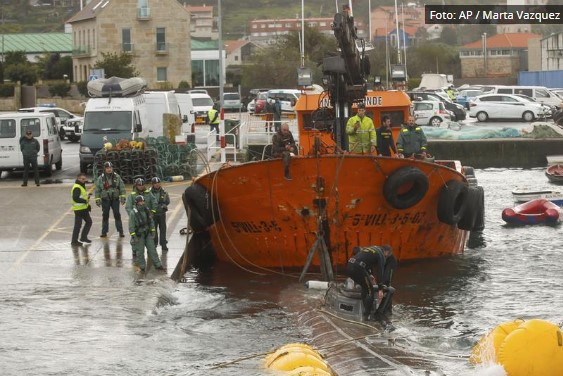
[[505, 153], [502, 153]]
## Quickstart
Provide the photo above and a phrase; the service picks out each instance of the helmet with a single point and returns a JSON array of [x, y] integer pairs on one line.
[[139, 198], [139, 181], [108, 164], [155, 180]]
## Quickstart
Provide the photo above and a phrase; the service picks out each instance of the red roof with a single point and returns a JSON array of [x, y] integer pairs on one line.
[[509, 40], [232, 45]]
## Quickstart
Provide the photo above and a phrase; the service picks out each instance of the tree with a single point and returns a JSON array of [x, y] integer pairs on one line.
[[449, 36], [55, 67], [276, 66], [119, 65], [17, 68], [433, 57]]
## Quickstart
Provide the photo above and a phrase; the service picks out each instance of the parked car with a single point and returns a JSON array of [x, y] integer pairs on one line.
[[458, 110], [260, 103], [431, 113], [504, 106], [548, 110], [232, 102], [287, 97], [465, 96], [202, 104], [254, 94], [61, 115], [73, 128]]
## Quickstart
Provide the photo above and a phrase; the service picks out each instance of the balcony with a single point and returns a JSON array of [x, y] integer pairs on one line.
[[143, 14], [161, 48], [81, 51]]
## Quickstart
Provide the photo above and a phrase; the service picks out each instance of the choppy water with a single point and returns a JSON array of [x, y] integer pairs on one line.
[[99, 322]]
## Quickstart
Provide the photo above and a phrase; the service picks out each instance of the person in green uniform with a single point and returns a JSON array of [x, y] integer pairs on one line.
[[162, 200], [141, 229]]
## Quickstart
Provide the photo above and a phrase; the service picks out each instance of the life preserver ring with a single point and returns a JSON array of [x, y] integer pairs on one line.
[[467, 221], [452, 202], [198, 205], [405, 187]]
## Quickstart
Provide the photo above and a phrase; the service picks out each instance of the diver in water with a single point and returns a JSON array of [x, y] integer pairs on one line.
[[368, 261]]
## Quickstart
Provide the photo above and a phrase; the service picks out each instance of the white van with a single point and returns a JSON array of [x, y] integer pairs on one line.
[[287, 97], [202, 104], [187, 110], [538, 93], [44, 127], [110, 120], [159, 103]]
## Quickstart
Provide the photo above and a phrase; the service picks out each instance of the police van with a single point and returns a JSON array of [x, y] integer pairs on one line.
[[538, 93], [44, 127]]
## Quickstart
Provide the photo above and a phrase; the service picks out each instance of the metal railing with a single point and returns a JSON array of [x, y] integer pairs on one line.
[[143, 13]]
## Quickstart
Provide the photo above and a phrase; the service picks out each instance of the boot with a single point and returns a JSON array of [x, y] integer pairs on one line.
[[286, 174]]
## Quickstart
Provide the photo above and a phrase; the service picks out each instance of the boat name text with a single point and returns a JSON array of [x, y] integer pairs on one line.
[[383, 219], [369, 101]]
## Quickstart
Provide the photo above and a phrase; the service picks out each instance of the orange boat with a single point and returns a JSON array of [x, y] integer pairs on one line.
[[249, 215]]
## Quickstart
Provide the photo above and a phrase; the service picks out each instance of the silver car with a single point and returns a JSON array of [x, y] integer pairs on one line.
[[431, 113]]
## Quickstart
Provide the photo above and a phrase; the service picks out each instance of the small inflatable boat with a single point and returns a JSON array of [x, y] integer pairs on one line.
[[555, 173], [525, 194], [532, 213], [116, 87]]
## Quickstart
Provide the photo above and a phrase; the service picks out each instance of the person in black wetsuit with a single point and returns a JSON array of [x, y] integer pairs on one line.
[[365, 262]]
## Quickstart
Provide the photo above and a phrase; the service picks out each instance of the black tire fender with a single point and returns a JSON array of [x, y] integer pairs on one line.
[[467, 221], [479, 224], [405, 187], [198, 205], [452, 202]]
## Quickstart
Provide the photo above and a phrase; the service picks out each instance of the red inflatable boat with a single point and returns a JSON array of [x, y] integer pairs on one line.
[[533, 212]]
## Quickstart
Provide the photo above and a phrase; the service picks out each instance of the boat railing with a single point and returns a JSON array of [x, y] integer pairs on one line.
[[214, 145], [260, 132]]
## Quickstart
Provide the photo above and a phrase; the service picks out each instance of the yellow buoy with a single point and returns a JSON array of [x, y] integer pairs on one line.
[[486, 349], [291, 348], [534, 348], [298, 359]]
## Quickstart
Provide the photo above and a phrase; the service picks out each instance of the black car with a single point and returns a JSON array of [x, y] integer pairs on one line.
[[457, 109]]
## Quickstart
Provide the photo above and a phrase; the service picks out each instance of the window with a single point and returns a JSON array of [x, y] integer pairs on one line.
[[504, 90], [509, 99], [541, 93], [212, 73], [160, 39], [33, 124], [161, 74], [126, 40], [7, 128], [197, 73]]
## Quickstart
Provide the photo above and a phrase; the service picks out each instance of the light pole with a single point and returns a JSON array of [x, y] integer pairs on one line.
[[484, 38]]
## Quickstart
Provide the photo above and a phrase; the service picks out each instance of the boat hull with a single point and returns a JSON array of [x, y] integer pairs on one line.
[[262, 220], [525, 195]]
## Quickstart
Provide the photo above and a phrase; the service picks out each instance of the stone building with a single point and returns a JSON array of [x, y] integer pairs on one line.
[[505, 55], [155, 32]]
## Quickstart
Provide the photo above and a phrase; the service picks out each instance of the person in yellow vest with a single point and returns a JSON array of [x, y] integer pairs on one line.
[[81, 207], [361, 132], [214, 119]]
